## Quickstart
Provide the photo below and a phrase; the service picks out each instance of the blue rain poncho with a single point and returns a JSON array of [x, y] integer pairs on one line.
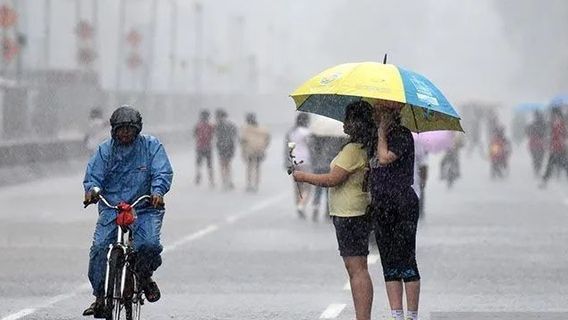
[[126, 172]]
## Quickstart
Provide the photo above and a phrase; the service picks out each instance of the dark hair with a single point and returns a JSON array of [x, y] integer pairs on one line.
[[361, 113], [302, 120], [220, 113], [204, 115], [251, 118]]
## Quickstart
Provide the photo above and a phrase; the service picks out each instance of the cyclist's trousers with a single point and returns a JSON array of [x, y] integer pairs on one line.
[[146, 230]]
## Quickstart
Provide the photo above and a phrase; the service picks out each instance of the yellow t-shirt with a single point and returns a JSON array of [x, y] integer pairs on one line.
[[348, 198]]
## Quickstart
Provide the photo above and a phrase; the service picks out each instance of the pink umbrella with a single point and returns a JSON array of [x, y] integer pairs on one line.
[[434, 141]]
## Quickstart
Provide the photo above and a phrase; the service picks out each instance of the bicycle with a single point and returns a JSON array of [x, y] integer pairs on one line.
[[122, 290]]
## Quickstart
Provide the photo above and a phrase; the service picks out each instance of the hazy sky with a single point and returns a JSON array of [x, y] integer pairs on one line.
[[502, 51]]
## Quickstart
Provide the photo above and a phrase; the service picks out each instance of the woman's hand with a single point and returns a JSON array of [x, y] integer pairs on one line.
[[299, 176]]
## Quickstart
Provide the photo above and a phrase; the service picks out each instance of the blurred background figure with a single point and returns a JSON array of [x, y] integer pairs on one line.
[[557, 153], [226, 134], [450, 164], [301, 135], [254, 141], [536, 134], [97, 131], [327, 140], [420, 172], [499, 152], [203, 134]]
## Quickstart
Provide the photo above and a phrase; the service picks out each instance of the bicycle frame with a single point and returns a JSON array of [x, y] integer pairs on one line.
[[124, 245]]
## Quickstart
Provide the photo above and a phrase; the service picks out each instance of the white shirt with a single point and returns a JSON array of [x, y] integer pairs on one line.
[[301, 136]]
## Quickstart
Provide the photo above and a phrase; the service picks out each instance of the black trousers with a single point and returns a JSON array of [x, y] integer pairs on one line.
[[395, 218], [557, 160]]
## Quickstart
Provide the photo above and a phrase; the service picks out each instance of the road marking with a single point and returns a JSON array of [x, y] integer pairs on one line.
[[194, 236], [185, 240], [259, 206], [332, 311], [566, 201], [347, 286], [19, 314]]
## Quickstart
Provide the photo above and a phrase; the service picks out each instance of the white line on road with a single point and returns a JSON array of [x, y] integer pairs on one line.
[[19, 314], [262, 205], [194, 236], [332, 311], [347, 286], [187, 239]]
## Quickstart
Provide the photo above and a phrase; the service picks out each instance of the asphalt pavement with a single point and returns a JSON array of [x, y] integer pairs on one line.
[[497, 247]]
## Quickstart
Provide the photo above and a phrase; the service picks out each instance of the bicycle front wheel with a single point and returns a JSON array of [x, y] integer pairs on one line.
[[113, 296]]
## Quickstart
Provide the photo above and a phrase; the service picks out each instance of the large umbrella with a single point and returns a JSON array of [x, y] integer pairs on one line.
[[435, 141], [326, 127], [559, 100], [424, 107]]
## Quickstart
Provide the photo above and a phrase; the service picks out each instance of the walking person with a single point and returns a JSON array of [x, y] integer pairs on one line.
[[557, 158], [203, 134], [420, 172], [254, 141], [97, 130], [395, 208], [348, 201], [226, 135], [536, 132], [301, 136]]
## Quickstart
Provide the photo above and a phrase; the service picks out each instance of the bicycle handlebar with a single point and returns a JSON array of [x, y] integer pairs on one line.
[[105, 201]]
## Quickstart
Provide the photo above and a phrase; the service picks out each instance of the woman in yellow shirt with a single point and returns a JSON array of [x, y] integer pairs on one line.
[[348, 201]]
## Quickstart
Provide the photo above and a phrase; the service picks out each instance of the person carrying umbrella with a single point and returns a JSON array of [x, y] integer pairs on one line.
[[348, 201], [404, 101], [395, 208]]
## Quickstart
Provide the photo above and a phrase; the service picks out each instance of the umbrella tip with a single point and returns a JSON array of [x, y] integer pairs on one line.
[[385, 59]]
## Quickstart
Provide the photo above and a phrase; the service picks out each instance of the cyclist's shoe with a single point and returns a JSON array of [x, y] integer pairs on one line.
[[97, 307], [151, 290]]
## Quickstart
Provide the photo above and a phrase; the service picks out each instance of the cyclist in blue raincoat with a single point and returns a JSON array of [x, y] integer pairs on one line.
[[126, 167]]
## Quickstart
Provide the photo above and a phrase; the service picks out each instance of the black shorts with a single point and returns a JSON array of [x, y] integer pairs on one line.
[[395, 219], [226, 153], [352, 235]]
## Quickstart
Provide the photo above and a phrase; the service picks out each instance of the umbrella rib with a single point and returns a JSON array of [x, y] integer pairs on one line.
[[414, 117]]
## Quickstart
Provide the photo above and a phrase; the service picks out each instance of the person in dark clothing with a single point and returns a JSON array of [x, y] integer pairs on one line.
[[226, 134], [395, 208], [558, 135], [536, 132]]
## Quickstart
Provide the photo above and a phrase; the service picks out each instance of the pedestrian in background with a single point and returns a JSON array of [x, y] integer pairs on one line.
[[536, 132], [301, 136], [226, 134], [97, 131], [348, 201], [254, 141], [557, 155], [420, 172], [395, 209], [203, 134]]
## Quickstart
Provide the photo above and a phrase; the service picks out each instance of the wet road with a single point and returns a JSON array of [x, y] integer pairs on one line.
[[483, 246]]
